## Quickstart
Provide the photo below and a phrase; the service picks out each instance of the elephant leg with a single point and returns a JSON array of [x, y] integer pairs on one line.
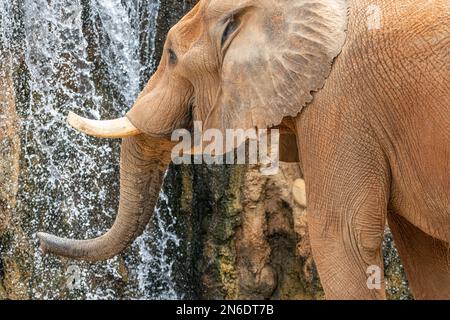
[[347, 192], [346, 213], [346, 244], [426, 259]]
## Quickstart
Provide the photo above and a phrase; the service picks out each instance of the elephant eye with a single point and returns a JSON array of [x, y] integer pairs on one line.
[[232, 26], [172, 56]]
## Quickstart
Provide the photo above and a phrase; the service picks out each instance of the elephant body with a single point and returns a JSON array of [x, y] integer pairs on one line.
[[361, 87], [375, 143]]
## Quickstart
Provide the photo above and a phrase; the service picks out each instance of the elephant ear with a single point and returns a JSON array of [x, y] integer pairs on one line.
[[282, 52]]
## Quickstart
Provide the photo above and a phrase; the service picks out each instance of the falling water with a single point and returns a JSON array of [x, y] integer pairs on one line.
[[91, 57]]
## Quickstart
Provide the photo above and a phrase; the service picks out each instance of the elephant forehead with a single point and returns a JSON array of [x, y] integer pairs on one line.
[[206, 13], [219, 7], [187, 31]]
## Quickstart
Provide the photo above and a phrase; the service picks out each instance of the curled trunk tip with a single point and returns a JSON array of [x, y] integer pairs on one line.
[[46, 242], [143, 163]]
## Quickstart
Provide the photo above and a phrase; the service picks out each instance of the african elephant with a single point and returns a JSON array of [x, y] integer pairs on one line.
[[363, 87]]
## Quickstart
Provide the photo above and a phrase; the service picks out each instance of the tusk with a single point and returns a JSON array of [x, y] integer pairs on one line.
[[118, 128]]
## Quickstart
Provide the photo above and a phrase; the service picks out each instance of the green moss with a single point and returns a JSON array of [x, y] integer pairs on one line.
[[227, 271], [396, 283]]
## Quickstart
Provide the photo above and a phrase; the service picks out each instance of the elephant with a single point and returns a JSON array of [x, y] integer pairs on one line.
[[361, 91]]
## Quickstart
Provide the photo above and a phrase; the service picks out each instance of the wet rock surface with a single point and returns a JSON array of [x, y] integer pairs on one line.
[[9, 169]]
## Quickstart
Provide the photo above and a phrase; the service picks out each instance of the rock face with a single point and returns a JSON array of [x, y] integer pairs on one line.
[[220, 232], [253, 238], [9, 171]]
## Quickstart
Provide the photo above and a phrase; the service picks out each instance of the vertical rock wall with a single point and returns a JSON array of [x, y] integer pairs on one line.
[[252, 237], [9, 171]]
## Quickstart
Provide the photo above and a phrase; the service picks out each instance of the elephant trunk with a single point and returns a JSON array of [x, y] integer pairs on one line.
[[143, 163]]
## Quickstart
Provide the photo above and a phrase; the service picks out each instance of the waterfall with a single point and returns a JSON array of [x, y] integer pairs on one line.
[[91, 57]]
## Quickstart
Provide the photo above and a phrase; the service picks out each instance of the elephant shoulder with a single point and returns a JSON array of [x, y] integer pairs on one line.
[[398, 29]]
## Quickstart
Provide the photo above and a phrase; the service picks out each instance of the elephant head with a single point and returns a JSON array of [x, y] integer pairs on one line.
[[232, 64]]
